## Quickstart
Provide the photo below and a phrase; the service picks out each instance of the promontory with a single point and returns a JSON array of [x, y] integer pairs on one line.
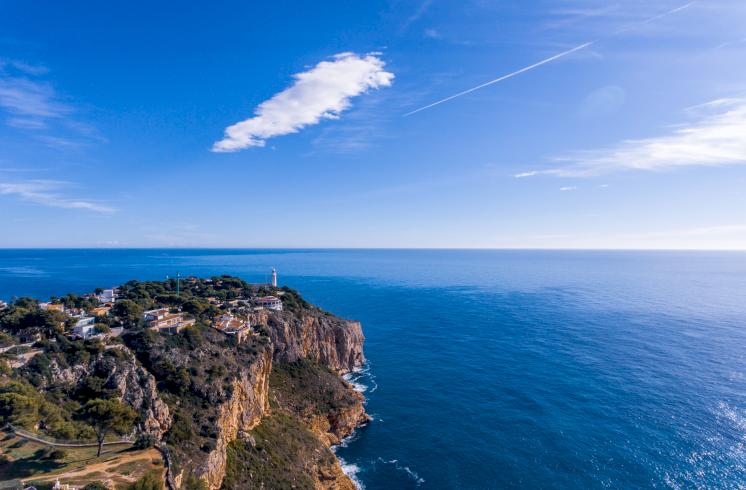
[[188, 383]]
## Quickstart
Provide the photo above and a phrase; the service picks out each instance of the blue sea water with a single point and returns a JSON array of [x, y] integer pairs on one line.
[[504, 369]]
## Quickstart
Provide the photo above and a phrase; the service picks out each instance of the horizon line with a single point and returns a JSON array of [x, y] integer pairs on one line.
[[548, 249]]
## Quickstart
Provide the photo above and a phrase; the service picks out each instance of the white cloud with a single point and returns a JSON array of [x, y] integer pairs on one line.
[[46, 192], [714, 136], [568, 189], [323, 92], [523, 175]]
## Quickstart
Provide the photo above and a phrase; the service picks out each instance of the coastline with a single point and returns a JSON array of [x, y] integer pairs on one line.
[[351, 470], [205, 371]]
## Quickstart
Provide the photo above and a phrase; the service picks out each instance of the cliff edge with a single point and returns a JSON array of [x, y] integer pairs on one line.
[[233, 394]]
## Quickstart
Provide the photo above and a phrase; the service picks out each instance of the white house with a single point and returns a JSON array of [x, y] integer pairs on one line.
[[3, 305], [107, 296], [85, 327], [270, 302]]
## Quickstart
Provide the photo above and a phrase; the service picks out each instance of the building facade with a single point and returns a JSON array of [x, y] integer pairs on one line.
[[164, 321], [270, 303]]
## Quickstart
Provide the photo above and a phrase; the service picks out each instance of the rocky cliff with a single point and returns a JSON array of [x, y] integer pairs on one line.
[[335, 346], [261, 411], [310, 349], [117, 372], [243, 411], [312, 334]]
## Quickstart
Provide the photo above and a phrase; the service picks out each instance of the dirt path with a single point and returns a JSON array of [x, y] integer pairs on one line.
[[106, 468]]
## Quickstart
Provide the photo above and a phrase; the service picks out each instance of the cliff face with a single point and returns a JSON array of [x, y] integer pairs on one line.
[[334, 426], [258, 412], [137, 387], [313, 407], [332, 477], [244, 410], [328, 340], [119, 372]]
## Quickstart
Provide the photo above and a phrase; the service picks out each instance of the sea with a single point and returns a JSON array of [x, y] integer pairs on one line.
[[504, 368]]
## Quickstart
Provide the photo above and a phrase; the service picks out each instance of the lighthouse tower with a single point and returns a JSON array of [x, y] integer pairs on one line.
[[274, 278]]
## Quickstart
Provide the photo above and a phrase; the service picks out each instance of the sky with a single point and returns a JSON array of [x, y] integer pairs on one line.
[[386, 123]]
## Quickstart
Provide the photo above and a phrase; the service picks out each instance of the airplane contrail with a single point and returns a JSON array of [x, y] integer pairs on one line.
[[504, 77], [549, 60]]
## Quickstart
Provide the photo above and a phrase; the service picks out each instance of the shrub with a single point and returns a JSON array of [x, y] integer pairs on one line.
[[194, 483], [57, 454], [193, 336], [149, 481], [181, 430], [96, 486], [144, 441]]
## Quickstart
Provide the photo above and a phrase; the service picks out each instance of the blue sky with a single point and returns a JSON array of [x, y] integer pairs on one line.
[[243, 125]]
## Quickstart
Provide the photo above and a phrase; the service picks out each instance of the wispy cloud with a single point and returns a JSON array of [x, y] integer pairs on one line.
[[730, 44], [568, 188], [421, 10], [523, 175], [24, 67], [48, 193], [323, 92], [31, 103], [715, 135], [30, 100]]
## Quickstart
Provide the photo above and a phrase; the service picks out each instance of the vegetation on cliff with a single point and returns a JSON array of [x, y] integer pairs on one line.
[[280, 453], [308, 389], [223, 409]]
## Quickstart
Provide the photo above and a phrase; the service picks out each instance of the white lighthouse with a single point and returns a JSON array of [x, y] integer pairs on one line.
[[274, 278]]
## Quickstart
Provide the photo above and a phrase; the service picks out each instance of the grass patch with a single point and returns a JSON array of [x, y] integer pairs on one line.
[[283, 456], [28, 459]]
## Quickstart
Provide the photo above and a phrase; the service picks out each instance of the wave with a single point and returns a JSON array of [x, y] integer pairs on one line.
[[405, 469], [23, 271], [351, 470], [362, 379], [359, 387], [347, 440]]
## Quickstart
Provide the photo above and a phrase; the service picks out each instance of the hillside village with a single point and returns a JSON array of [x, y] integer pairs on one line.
[[224, 304], [176, 375]]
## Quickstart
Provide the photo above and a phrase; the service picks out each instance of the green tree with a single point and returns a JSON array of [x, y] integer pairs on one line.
[[107, 416], [5, 369], [128, 312], [6, 339]]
